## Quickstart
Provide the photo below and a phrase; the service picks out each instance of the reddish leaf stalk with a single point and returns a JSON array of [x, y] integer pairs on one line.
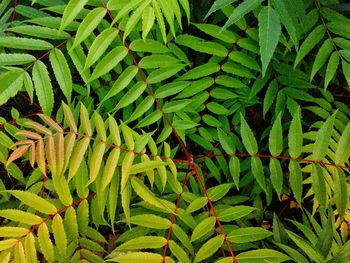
[[188, 156]]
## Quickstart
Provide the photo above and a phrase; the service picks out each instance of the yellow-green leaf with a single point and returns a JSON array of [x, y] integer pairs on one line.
[[59, 235], [34, 201], [126, 168], [139, 243], [109, 170], [203, 228], [209, 248], [12, 231], [45, 243], [21, 216]]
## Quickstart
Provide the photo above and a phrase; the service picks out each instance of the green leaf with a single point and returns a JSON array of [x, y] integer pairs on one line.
[[24, 43], [60, 235], [170, 89], [201, 45], [148, 45], [123, 81], [34, 201], [145, 193], [248, 234], [269, 33], [11, 231], [142, 243], [158, 61], [218, 4], [20, 216], [196, 204], [331, 68], [323, 137], [204, 227], [296, 179], [240, 11], [248, 137], [276, 175], [295, 135], [209, 248], [235, 169], [77, 156], [15, 59], [270, 95], [182, 237], [8, 243], [72, 9], [11, 83], [143, 107], [342, 153], [225, 142], [151, 221], [214, 31], [144, 166], [275, 138], [319, 185], [261, 256], [201, 71], [178, 252], [244, 59], [346, 71], [62, 72], [133, 94], [161, 74], [135, 17], [109, 62], [39, 32], [43, 87], [309, 43], [258, 171], [288, 19], [45, 243], [88, 25], [100, 45], [234, 213], [141, 257], [306, 247], [321, 57], [176, 105], [217, 192], [148, 18]]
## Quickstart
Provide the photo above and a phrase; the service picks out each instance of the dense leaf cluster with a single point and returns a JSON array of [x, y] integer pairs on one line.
[[174, 131]]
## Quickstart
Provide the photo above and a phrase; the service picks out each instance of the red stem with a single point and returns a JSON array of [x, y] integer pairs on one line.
[[188, 156]]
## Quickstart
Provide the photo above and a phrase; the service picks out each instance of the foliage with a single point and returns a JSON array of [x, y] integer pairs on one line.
[[159, 131]]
